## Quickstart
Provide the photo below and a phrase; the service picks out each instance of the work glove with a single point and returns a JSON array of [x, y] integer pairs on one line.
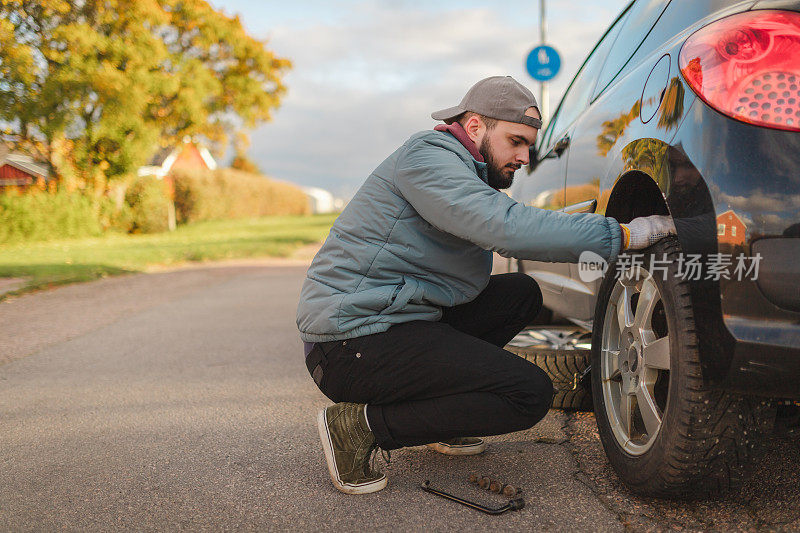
[[645, 231]]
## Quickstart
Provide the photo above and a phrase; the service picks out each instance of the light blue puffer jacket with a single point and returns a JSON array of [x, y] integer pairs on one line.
[[418, 236]]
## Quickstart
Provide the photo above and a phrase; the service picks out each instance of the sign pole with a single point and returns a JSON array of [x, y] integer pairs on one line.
[[543, 63], [544, 86]]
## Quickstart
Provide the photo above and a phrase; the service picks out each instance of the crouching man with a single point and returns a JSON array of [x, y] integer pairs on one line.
[[403, 324]]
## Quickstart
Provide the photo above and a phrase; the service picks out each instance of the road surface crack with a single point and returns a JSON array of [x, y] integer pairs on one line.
[[630, 521]]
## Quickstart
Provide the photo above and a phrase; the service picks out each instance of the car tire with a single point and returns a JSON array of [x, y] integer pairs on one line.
[[679, 440], [565, 368]]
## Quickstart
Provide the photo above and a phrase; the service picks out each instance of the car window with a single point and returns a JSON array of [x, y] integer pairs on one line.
[[544, 140], [643, 16], [580, 90], [675, 19]]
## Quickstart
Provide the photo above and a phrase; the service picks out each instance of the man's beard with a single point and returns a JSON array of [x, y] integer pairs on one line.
[[499, 177]]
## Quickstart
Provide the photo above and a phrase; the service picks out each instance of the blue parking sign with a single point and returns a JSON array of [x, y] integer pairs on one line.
[[543, 63]]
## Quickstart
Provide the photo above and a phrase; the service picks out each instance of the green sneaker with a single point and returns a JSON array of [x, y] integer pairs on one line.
[[348, 444], [460, 446]]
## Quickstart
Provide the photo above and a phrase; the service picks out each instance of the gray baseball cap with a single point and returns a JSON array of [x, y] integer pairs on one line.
[[498, 97]]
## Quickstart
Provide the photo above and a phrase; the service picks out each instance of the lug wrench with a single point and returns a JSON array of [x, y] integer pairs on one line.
[[512, 505]]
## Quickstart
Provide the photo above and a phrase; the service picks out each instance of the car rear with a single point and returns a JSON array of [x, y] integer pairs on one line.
[[743, 135]]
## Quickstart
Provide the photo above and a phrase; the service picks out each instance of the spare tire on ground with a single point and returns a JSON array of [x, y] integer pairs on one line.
[[565, 368]]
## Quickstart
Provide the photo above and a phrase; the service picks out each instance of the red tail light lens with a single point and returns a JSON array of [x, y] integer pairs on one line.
[[747, 66]]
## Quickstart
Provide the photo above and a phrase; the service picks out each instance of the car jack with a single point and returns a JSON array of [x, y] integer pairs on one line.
[[512, 505]]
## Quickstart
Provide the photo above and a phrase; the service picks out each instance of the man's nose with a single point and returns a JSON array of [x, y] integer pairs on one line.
[[523, 156]]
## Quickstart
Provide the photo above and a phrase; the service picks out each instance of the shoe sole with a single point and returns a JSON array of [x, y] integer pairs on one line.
[[469, 449], [327, 447]]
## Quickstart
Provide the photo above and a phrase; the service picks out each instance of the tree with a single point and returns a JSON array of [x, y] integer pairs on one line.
[[241, 161], [245, 164], [613, 129], [93, 86]]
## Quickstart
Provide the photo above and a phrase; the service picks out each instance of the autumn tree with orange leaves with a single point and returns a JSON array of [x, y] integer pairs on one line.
[[94, 87]]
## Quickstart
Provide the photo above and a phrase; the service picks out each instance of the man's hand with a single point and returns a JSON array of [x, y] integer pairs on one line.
[[645, 231]]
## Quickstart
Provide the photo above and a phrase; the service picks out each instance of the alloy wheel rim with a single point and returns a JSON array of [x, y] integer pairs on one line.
[[635, 361]]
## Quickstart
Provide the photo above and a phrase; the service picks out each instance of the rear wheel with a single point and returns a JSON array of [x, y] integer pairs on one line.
[[662, 432]]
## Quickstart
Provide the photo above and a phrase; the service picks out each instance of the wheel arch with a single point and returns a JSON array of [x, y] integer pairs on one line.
[[635, 194]]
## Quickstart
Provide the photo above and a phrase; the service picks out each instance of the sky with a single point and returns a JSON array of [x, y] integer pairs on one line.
[[368, 73]]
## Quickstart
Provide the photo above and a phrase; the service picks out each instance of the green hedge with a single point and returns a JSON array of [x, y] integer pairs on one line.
[[149, 205], [40, 215], [228, 193]]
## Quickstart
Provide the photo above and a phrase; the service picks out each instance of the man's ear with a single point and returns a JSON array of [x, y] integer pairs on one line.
[[475, 129]]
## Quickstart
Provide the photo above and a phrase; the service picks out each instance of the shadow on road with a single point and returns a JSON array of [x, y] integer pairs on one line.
[[47, 275]]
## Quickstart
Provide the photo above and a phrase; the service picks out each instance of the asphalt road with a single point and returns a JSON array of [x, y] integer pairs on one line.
[[179, 400]]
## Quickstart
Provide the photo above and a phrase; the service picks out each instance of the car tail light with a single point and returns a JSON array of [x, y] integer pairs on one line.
[[747, 66]]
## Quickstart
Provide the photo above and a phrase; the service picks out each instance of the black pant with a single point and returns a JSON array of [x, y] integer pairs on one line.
[[432, 381]]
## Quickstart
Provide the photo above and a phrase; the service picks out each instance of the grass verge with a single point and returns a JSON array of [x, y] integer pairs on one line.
[[46, 264]]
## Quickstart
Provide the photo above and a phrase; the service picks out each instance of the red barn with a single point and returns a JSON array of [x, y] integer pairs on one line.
[[19, 171], [189, 155], [730, 228]]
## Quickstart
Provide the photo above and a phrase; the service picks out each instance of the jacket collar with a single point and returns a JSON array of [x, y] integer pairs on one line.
[[457, 131]]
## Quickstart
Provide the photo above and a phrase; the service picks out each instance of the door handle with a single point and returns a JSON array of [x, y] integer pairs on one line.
[[588, 206], [561, 145]]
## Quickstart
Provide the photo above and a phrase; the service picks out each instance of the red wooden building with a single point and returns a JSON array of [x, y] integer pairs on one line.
[[188, 155], [730, 228], [19, 170]]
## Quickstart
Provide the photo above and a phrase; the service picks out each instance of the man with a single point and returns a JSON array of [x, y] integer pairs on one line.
[[403, 324]]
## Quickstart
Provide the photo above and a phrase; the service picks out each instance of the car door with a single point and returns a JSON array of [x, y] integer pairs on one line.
[[545, 187]]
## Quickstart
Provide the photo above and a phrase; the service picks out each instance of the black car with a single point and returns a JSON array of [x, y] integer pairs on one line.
[[688, 108]]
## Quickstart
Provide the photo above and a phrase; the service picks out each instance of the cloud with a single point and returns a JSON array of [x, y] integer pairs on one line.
[[761, 202], [766, 209], [363, 83]]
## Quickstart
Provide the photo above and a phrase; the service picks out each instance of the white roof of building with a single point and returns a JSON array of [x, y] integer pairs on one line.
[[24, 163]]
